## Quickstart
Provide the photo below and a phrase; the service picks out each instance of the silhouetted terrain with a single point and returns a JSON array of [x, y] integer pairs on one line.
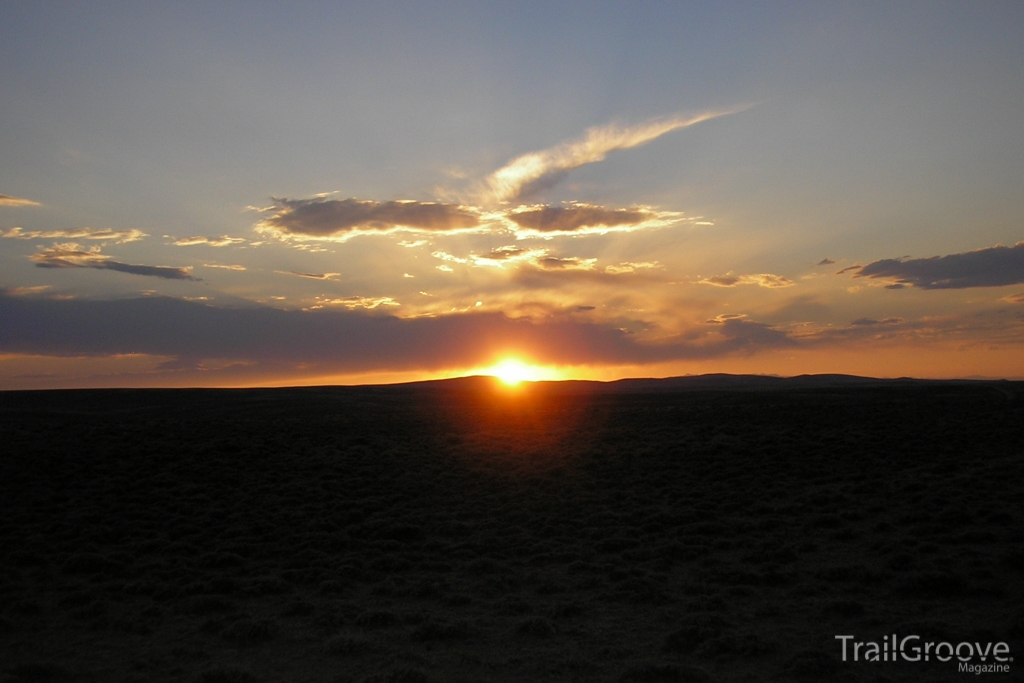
[[697, 529]]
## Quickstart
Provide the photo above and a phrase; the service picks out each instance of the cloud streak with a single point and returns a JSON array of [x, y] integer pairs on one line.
[[195, 240], [320, 218], [761, 280], [309, 276], [71, 255], [119, 236], [7, 200], [996, 266], [531, 173]]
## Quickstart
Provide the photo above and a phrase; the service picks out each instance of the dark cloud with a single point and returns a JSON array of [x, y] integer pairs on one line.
[[849, 268], [991, 267], [322, 218], [72, 255], [568, 219], [337, 340], [825, 262]]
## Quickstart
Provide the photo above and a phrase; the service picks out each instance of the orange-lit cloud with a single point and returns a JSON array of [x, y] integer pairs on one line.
[[566, 263], [71, 255], [320, 218], [118, 236], [194, 240], [530, 173], [761, 280], [309, 276], [629, 267], [871, 322], [352, 302], [580, 219]]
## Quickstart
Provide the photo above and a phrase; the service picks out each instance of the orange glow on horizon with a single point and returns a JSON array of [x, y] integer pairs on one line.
[[512, 372]]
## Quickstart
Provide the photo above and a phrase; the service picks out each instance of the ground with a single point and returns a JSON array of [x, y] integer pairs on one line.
[[460, 531]]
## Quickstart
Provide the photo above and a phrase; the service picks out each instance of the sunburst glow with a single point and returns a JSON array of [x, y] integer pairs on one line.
[[512, 371]]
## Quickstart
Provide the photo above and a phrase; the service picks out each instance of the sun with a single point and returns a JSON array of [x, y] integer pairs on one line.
[[513, 371]]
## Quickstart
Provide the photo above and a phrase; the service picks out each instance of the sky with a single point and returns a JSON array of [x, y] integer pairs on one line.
[[250, 194]]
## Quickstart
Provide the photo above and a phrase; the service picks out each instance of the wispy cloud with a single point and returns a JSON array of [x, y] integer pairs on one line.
[[223, 266], [353, 302], [28, 291], [566, 263], [311, 276], [320, 218], [996, 266], [194, 240], [761, 280], [71, 255], [871, 322], [530, 173], [630, 267], [7, 200], [118, 236]]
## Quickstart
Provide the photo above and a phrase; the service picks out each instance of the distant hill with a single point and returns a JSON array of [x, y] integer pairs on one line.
[[719, 382]]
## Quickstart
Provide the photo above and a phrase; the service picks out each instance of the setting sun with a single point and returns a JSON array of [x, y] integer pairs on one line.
[[512, 371]]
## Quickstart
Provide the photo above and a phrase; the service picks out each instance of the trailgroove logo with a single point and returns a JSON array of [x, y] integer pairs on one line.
[[972, 657]]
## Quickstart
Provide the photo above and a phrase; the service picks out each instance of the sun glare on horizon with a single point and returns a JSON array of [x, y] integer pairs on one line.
[[512, 371]]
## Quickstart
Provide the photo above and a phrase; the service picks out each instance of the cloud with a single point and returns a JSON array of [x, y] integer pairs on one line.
[[870, 322], [28, 291], [505, 254], [567, 263], [761, 280], [630, 267], [7, 200], [320, 218], [577, 219], [119, 236], [223, 267], [194, 240], [1014, 298], [311, 276], [71, 255], [825, 262], [336, 339], [989, 267], [531, 173], [352, 302]]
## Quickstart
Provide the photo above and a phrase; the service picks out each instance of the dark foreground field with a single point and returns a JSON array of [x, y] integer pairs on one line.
[[458, 532]]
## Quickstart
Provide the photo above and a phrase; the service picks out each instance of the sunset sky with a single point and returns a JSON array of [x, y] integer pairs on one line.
[[238, 194]]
